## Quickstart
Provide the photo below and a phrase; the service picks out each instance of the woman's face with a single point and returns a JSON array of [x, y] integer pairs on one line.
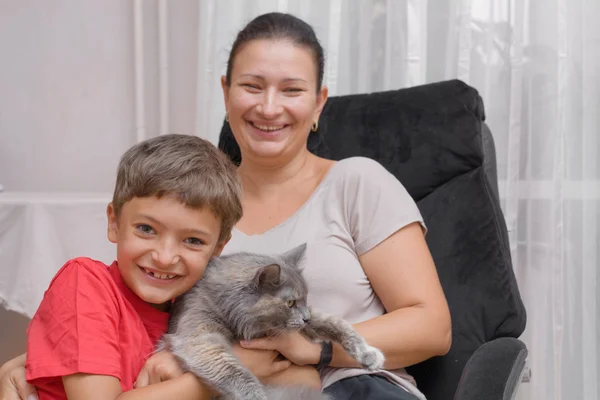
[[272, 100]]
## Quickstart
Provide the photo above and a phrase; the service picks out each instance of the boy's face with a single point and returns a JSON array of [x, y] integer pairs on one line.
[[163, 247]]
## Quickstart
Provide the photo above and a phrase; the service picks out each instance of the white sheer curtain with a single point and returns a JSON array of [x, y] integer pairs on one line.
[[68, 110], [536, 64]]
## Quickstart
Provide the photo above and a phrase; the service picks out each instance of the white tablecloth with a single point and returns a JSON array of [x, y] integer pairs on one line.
[[39, 232]]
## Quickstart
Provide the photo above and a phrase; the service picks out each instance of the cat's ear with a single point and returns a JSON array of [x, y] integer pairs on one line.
[[294, 256], [267, 277]]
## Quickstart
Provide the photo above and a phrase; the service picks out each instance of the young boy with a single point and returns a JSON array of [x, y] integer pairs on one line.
[[175, 202]]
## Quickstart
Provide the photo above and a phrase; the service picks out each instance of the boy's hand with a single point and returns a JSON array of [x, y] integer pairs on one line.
[[160, 367], [13, 385]]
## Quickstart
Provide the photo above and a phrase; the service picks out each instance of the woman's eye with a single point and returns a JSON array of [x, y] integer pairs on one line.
[[251, 86], [194, 241], [291, 303], [145, 229], [293, 90]]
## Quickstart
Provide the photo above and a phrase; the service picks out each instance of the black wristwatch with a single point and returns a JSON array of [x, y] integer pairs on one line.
[[326, 354]]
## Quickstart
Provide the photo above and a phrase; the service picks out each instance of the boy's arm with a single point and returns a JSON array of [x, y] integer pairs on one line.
[[105, 387]]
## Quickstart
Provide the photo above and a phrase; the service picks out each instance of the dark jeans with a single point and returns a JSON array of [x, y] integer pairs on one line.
[[367, 387]]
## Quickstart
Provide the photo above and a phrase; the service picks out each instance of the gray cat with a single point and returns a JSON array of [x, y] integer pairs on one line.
[[248, 296]]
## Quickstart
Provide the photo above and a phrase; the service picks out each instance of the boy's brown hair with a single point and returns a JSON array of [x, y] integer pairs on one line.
[[185, 166]]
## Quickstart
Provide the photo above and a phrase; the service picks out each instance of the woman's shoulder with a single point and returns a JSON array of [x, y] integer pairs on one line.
[[359, 163], [355, 169], [363, 176]]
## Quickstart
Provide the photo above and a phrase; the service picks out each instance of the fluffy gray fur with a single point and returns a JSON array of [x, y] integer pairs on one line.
[[248, 296]]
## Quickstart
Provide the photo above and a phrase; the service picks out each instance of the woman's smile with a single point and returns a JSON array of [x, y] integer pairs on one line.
[[267, 131]]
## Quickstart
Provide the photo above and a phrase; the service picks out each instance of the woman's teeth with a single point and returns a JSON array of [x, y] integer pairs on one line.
[[159, 276], [268, 128]]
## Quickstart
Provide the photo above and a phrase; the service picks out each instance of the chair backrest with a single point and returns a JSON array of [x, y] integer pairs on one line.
[[431, 138]]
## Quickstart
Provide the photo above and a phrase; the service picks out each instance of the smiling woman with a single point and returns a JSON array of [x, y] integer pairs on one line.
[[366, 258]]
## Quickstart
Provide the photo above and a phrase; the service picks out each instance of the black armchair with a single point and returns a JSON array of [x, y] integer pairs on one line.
[[434, 140]]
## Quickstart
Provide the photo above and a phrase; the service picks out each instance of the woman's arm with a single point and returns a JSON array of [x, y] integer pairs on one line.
[[417, 324], [104, 387], [270, 370]]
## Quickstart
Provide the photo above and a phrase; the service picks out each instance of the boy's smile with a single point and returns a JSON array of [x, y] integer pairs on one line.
[[163, 246], [157, 275]]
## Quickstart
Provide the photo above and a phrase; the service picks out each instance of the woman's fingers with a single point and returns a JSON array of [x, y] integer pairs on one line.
[[262, 363], [292, 345], [279, 366], [260, 344]]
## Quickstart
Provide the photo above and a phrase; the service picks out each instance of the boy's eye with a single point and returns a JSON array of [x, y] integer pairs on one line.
[[145, 229], [194, 241], [291, 303]]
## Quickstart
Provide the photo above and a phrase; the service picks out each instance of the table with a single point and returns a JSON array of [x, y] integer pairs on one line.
[[39, 232]]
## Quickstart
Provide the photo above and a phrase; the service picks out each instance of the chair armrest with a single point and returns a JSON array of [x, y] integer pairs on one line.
[[494, 371]]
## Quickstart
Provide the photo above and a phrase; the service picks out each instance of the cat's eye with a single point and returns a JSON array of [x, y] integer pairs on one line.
[[291, 303]]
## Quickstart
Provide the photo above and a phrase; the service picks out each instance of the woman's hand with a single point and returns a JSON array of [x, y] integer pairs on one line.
[[13, 384], [262, 363], [291, 345], [160, 367]]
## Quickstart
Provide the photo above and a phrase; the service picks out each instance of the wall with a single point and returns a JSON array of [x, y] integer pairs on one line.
[[67, 75]]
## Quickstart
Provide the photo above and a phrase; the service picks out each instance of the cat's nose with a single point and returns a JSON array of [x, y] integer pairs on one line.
[[306, 316]]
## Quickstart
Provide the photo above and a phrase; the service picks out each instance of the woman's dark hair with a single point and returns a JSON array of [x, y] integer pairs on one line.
[[279, 26]]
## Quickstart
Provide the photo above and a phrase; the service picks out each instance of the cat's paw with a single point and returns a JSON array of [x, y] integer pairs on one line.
[[371, 358]]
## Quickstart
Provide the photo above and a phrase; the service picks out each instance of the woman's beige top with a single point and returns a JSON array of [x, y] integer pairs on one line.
[[357, 205]]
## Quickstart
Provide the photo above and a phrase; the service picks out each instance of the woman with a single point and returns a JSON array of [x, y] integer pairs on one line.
[[367, 260]]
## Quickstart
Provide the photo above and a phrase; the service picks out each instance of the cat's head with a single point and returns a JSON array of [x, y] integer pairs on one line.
[[273, 298]]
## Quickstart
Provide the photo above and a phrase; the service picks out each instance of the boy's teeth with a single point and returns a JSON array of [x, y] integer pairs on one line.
[[159, 276], [269, 128]]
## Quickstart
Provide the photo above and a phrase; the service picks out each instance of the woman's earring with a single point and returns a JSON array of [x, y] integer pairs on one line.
[[226, 117], [315, 126]]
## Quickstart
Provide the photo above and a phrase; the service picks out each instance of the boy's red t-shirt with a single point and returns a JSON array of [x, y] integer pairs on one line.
[[90, 322]]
